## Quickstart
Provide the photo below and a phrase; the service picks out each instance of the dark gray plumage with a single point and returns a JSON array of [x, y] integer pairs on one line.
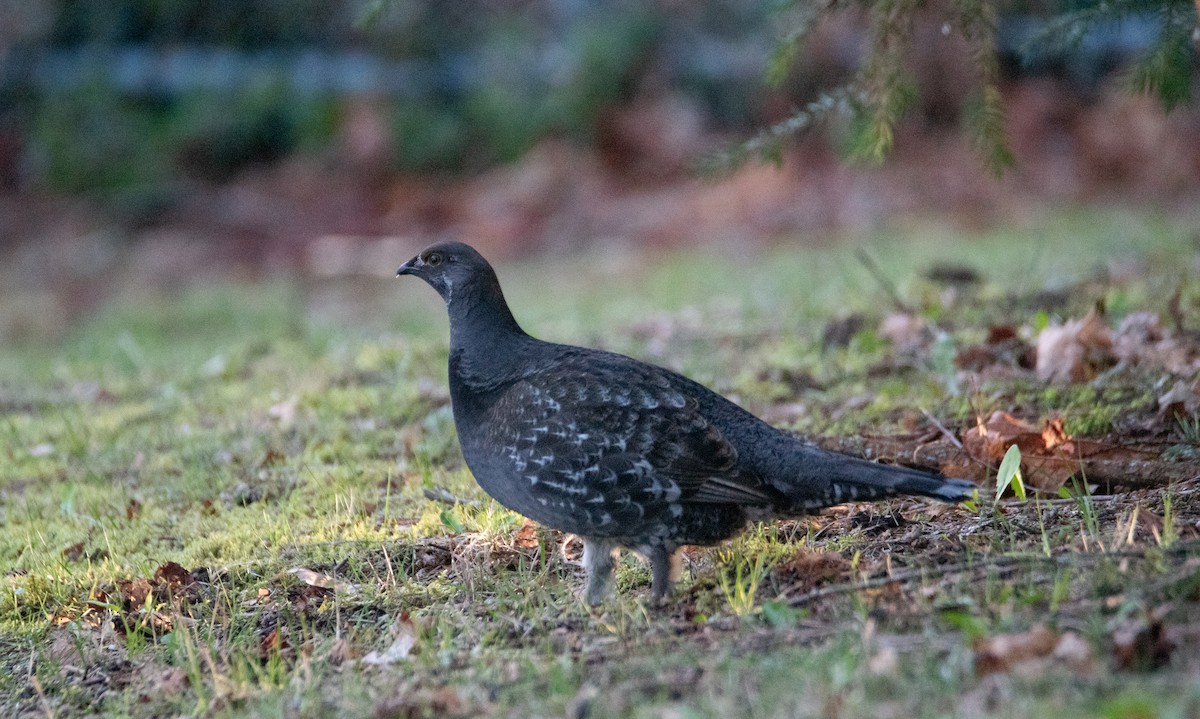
[[619, 452]]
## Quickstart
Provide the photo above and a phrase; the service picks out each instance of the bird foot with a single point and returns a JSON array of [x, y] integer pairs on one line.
[[599, 560]]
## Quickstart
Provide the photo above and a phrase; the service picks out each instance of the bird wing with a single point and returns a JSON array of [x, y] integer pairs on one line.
[[615, 439]]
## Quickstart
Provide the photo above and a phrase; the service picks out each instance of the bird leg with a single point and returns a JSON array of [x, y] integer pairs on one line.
[[666, 566], [599, 559]]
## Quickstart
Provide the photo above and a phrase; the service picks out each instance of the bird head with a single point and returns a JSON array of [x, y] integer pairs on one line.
[[448, 267]]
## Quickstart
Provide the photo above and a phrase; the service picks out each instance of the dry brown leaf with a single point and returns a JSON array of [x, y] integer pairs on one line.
[[314, 579], [840, 331], [527, 536], [975, 358], [404, 639], [1136, 332], [443, 702], [807, 570], [1142, 645], [322, 581], [1049, 456], [134, 592], [1002, 352], [173, 576], [1141, 339], [274, 643], [989, 441], [907, 333], [1000, 333], [1179, 401], [1075, 351], [1074, 651], [74, 552], [1031, 652]]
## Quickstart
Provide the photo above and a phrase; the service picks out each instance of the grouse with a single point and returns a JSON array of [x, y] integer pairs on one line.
[[622, 453]]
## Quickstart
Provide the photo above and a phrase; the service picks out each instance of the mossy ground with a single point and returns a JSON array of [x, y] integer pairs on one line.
[[281, 443]]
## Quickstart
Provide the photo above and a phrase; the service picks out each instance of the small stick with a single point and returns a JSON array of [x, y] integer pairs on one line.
[[441, 494], [884, 281], [942, 428], [37, 687]]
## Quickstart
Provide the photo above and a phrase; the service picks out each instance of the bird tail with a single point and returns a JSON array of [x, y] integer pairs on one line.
[[824, 479]]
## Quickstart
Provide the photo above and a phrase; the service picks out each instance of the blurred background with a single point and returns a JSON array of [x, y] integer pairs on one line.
[[149, 145]]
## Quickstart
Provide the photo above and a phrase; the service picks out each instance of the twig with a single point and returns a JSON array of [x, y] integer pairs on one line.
[[942, 428], [441, 494], [884, 281], [387, 560], [1061, 500], [1005, 564], [37, 687], [1174, 306]]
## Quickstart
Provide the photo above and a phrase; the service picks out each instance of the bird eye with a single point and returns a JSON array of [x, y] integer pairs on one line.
[[433, 259]]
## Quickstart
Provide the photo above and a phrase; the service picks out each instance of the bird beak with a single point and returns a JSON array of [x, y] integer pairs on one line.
[[410, 267]]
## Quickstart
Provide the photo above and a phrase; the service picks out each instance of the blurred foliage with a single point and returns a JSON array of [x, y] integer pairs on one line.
[[494, 79], [484, 105], [101, 141], [238, 23], [884, 89]]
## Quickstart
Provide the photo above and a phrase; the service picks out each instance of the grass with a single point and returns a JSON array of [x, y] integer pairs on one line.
[[285, 460]]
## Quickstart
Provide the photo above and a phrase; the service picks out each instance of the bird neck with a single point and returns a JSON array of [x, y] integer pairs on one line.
[[484, 336]]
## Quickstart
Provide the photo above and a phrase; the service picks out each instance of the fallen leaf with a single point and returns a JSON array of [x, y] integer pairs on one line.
[[1006, 652], [134, 592], [322, 581], [807, 570], [1049, 456], [1074, 651], [1142, 645], [976, 358], [907, 332], [1003, 351], [1135, 333], [839, 332], [1181, 400], [312, 578], [173, 576], [404, 638], [1000, 333], [274, 643], [527, 536], [1075, 351], [443, 702], [1141, 340]]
